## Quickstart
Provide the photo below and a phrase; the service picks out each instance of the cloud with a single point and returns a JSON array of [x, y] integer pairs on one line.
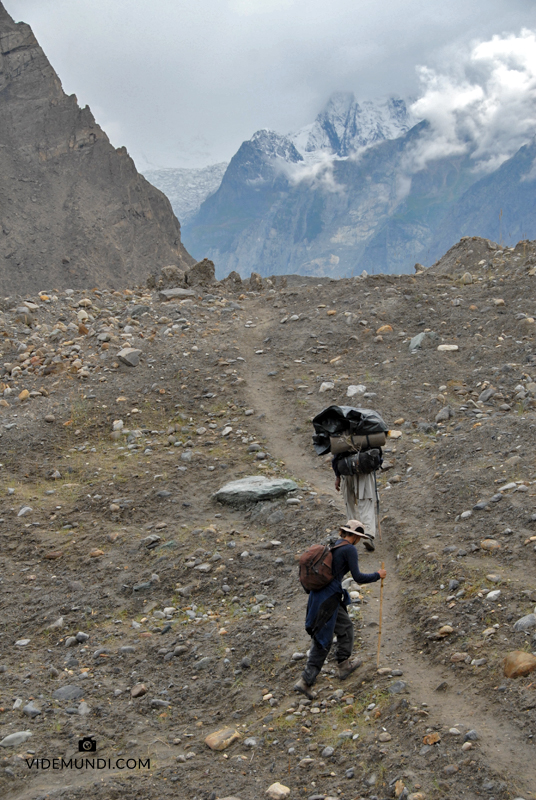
[[484, 108], [186, 81], [317, 174]]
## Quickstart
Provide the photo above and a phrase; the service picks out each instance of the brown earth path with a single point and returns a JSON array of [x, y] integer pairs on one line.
[[506, 749]]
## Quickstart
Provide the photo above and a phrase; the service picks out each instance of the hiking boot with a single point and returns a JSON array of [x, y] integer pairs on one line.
[[347, 667], [304, 688], [369, 545]]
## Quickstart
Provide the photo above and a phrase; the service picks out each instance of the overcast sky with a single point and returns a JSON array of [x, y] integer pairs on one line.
[[184, 82]]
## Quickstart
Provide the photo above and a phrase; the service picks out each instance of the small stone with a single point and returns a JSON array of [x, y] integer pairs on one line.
[[220, 740], [471, 736], [448, 348], [384, 737], [250, 742], [467, 746], [15, 739], [31, 711], [327, 752], [326, 386], [495, 594], [526, 623], [157, 703], [354, 390], [129, 356], [24, 511], [138, 690], [50, 418], [396, 687], [490, 545], [431, 738], [68, 693], [22, 642], [277, 791]]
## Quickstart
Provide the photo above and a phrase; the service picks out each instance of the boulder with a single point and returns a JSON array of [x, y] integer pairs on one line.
[[518, 663], [172, 275], [255, 282], [201, 273], [233, 281], [253, 489], [175, 294]]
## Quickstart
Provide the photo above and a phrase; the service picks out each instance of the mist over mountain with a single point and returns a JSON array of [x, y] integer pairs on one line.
[[378, 186]]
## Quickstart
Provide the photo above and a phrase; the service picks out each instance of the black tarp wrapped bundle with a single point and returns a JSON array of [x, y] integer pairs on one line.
[[337, 421]]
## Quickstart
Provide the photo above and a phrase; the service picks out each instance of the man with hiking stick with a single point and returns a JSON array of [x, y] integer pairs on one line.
[[326, 610]]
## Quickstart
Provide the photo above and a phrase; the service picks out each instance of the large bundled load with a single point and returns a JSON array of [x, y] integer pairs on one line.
[[355, 436]]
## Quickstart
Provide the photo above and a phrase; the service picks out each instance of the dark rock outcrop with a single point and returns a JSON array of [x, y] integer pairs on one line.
[[74, 210]]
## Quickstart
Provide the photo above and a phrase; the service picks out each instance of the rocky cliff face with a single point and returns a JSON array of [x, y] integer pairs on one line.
[[74, 210]]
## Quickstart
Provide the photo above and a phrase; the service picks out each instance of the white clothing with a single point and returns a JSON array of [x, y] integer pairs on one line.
[[359, 493]]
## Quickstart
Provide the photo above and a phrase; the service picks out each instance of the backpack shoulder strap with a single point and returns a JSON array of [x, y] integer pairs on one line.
[[342, 544]]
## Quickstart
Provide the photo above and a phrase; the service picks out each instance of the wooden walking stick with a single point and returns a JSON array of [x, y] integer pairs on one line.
[[380, 628]]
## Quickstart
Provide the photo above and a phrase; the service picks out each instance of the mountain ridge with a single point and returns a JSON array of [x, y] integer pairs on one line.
[[74, 210]]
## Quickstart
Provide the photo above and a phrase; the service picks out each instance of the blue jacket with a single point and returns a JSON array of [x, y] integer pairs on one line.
[[323, 605]]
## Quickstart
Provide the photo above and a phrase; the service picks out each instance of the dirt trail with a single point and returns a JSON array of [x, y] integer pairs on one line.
[[504, 746]]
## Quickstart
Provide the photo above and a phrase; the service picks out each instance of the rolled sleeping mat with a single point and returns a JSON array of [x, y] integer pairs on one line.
[[348, 443]]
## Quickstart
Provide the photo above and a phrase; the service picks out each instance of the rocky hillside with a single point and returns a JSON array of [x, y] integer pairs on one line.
[[143, 610], [75, 212]]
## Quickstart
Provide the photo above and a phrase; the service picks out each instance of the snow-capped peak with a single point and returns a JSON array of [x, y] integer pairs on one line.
[[274, 145], [345, 125]]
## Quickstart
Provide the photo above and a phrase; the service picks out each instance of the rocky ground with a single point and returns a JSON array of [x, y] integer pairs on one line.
[[141, 612]]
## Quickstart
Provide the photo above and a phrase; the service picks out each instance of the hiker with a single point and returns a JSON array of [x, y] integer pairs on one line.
[[326, 611], [359, 494]]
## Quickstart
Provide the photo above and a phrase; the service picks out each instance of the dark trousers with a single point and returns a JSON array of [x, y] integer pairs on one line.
[[344, 631]]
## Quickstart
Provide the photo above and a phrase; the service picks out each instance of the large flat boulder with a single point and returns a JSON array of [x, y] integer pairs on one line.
[[253, 489], [174, 294]]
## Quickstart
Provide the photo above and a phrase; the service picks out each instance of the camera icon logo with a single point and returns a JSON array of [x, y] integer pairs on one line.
[[87, 745]]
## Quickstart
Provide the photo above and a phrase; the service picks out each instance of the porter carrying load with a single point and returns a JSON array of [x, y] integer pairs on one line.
[[355, 437]]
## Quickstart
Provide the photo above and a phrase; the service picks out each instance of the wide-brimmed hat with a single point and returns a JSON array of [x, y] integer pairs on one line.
[[354, 526]]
